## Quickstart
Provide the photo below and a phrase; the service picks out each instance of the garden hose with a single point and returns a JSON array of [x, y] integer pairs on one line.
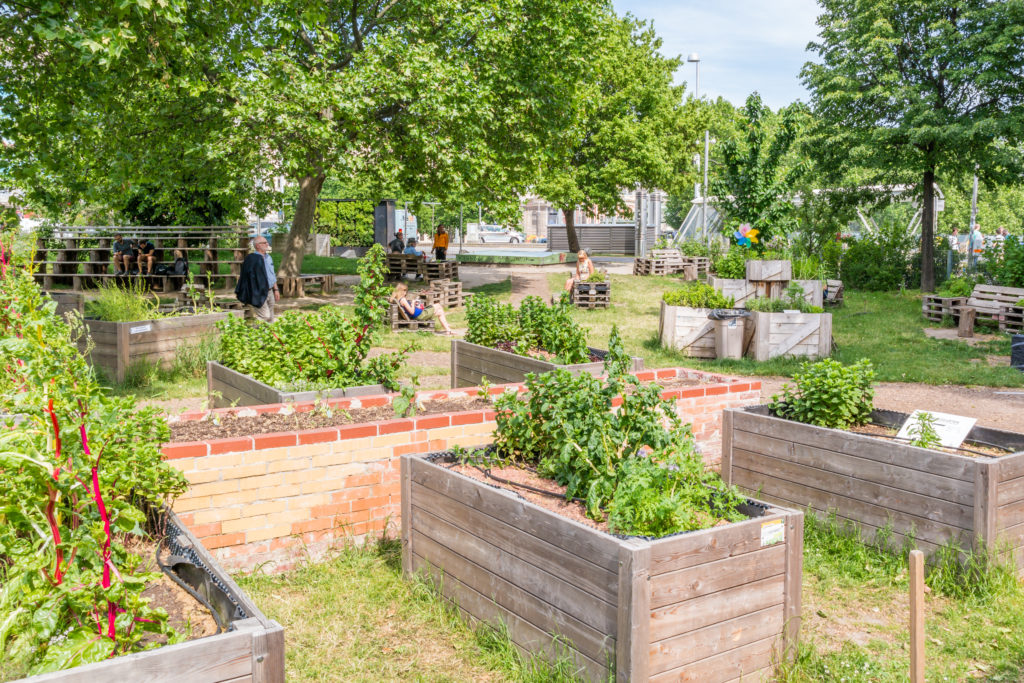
[[955, 448], [188, 589], [550, 494]]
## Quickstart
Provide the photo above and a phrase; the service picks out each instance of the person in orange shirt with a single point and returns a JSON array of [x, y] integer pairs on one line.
[[440, 243]]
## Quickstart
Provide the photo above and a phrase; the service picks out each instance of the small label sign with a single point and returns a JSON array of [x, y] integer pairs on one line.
[[140, 329], [952, 429], [772, 532]]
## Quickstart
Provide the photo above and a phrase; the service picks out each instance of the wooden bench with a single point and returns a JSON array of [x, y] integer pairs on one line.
[[401, 264], [591, 294], [988, 302], [660, 262], [324, 282], [1011, 319], [400, 322]]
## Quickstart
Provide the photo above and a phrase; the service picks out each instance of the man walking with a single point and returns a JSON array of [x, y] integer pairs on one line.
[[257, 285]]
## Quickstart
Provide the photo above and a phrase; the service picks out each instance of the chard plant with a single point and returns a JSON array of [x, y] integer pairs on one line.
[[79, 471]]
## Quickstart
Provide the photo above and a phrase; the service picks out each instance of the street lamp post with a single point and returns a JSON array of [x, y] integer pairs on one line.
[[695, 58]]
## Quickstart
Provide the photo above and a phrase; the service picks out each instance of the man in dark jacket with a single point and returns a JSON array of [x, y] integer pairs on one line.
[[397, 245], [257, 285]]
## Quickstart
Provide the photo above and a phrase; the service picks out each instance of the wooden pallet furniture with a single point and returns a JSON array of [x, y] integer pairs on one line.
[[833, 293], [326, 283], [446, 293], [701, 264], [85, 255], [400, 322], [439, 270], [791, 334], [591, 294], [659, 262], [1011, 319], [988, 301], [935, 307], [399, 265]]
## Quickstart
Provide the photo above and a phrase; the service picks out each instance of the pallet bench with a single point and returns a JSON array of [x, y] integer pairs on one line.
[[833, 292], [400, 322], [989, 302], [591, 294], [325, 282], [401, 264], [661, 262], [1011, 319]]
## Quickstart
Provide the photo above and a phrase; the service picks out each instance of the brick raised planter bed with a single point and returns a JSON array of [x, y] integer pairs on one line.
[[226, 387], [876, 482], [118, 346], [276, 498], [252, 650], [713, 605], [471, 363]]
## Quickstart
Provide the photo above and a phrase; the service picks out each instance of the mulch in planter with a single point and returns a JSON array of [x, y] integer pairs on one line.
[[970, 449], [266, 423]]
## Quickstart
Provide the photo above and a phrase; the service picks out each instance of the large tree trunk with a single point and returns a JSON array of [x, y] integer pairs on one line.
[[570, 229], [928, 233], [295, 247]]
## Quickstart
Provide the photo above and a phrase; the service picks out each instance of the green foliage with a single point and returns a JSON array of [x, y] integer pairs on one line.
[[79, 471], [647, 475], [809, 268], [958, 286], [695, 248], [697, 295], [348, 223], [404, 404], [922, 432], [618, 361], [322, 349], [1008, 263], [534, 326], [732, 264], [129, 303], [793, 299], [885, 259], [828, 394], [597, 276]]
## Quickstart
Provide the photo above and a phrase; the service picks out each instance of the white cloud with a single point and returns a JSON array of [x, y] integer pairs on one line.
[[744, 45]]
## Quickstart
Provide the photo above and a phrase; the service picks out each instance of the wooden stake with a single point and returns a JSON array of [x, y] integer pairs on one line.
[[916, 616]]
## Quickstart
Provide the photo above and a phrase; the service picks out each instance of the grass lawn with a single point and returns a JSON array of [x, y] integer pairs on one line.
[[323, 265], [886, 327]]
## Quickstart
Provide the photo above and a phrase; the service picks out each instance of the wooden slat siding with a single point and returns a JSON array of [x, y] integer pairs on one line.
[[559, 531], [815, 471], [769, 270], [592, 643], [215, 659], [123, 350], [234, 385], [1011, 466], [473, 362], [725, 465], [405, 478], [527, 638], [687, 330], [797, 494], [814, 291], [634, 611], [749, 663], [860, 445], [739, 290], [709, 545], [603, 238], [794, 583], [559, 591], [267, 654], [696, 613], [711, 577], [717, 639], [595, 580], [801, 334]]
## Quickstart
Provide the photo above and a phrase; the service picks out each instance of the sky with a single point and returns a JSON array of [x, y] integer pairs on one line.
[[744, 45]]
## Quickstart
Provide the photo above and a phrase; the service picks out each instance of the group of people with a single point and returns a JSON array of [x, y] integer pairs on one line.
[[440, 245], [138, 257]]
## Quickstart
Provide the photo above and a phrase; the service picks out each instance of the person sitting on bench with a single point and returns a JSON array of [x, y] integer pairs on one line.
[[410, 248], [147, 256], [398, 244], [416, 310], [123, 255]]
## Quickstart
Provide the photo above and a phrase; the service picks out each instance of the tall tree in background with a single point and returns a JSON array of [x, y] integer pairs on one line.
[[755, 184], [913, 90], [628, 127]]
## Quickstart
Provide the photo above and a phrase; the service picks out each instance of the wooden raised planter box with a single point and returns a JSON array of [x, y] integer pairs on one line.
[[471, 363], [791, 334], [770, 271], [691, 332], [711, 605], [878, 483], [118, 346], [252, 650], [744, 290], [226, 388]]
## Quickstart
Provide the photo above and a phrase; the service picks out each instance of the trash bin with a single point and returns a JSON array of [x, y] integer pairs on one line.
[[729, 324], [1017, 352]]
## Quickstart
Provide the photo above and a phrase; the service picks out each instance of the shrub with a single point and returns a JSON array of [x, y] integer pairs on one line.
[[534, 326], [828, 394], [697, 295], [868, 265], [349, 224], [597, 276], [1008, 264], [958, 286], [637, 463], [732, 264]]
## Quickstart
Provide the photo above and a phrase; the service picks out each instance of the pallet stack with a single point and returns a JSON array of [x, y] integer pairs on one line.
[[592, 294], [935, 307], [659, 262], [403, 323], [446, 293], [439, 270], [701, 265], [1011, 319]]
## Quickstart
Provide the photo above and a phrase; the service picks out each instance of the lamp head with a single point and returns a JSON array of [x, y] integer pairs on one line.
[[693, 57]]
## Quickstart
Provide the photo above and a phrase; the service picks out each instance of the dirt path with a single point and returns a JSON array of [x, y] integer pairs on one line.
[[530, 284], [993, 407]]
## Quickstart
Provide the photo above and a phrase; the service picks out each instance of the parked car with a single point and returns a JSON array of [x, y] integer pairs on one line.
[[498, 233]]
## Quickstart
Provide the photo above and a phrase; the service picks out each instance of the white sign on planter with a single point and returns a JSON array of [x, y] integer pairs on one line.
[[139, 329], [952, 429]]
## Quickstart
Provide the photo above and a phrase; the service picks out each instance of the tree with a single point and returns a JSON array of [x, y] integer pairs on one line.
[[754, 183], [628, 127], [917, 90]]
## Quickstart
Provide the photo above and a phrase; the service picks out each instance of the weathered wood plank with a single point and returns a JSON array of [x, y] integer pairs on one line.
[[794, 584], [717, 639], [935, 507], [747, 663], [710, 577], [561, 532], [592, 578], [707, 545], [634, 612], [1011, 466], [727, 444], [406, 487], [1010, 515], [986, 504], [696, 613], [559, 591]]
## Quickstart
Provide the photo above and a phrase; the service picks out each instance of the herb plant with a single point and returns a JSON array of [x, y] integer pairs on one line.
[[733, 263], [697, 295], [637, 464], [79, 471], [534, 326], [922, 432], [597, 276], [828, 394]]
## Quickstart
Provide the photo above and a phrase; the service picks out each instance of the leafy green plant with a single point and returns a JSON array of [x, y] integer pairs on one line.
[[320, 349], [637, 463], [348, 223], [122, 304], [697, 295], [922, 432], [732, 264], [828, 394], [534, 326], [404, 404], [957, 286], [792, 300], [597, 276]]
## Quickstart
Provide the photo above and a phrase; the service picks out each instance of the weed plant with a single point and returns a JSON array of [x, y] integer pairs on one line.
[[121, 304]]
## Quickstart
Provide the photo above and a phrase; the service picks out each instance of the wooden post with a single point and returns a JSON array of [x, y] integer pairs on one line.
[[966, 326], [632, 641], [406, 484], [916, 616]]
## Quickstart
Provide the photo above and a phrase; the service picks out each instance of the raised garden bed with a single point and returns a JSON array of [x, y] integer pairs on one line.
[[877, 483], [472, 363], [118, 346], [744, 290], [690, 331], [711, 605], [791, 334], [226, 387]]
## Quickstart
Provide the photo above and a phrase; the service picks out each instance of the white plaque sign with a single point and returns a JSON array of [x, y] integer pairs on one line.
[[772, 532], [952, 429], [140, 329]]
